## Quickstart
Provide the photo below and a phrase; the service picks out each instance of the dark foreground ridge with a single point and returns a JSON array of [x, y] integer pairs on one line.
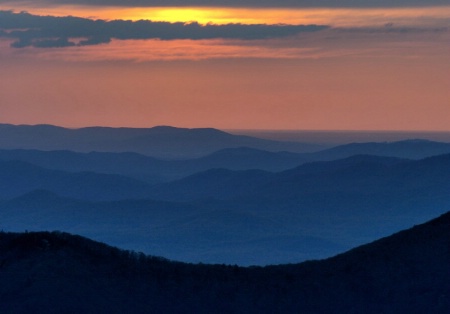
[[54, 272]]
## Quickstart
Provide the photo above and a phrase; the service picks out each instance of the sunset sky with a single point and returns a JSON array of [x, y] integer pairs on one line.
[[268, 64]]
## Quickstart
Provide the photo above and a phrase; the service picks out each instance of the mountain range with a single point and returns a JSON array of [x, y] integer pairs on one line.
[[168, 142], [54, 272], [225, 199], [155, 170], [238, 217], [160, 141]]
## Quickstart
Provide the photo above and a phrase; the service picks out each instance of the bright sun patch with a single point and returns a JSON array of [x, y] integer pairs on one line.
[[218, 16], [202, 16]]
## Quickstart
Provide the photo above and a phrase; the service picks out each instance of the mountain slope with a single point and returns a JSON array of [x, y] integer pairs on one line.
[[51, 272]]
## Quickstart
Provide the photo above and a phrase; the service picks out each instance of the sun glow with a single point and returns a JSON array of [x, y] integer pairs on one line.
[[294, 16], [334, 17], [200, 15]]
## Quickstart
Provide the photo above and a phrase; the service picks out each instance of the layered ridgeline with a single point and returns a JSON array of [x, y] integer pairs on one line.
[[183, 143], [58, 273], [218, 201], [243, 217], [161, 141], [153, 170]]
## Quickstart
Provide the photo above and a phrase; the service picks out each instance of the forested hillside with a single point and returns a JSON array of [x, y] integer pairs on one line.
[[55, 272]]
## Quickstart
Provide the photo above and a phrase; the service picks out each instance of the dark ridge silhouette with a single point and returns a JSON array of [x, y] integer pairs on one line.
[[54, 272], [160, 142]]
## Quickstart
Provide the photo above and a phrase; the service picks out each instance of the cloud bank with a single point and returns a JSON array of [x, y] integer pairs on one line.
[[46, 31]]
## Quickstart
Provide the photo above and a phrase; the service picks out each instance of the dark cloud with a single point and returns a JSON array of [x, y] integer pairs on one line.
[[48, 31], [250, 3]]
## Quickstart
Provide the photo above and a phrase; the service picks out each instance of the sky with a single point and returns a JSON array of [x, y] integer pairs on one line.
[[288, 65]]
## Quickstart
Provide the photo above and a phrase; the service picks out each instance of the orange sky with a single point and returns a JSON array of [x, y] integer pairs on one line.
[[358, 78], [335, 16]]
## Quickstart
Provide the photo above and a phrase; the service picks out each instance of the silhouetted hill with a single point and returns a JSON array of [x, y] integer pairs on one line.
[[161, 142], [19, 177], [56, 272]]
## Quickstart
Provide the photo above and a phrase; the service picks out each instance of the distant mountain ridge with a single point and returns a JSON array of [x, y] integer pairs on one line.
[[182, 143], [155, 170], [403, 273], [160, 141]]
